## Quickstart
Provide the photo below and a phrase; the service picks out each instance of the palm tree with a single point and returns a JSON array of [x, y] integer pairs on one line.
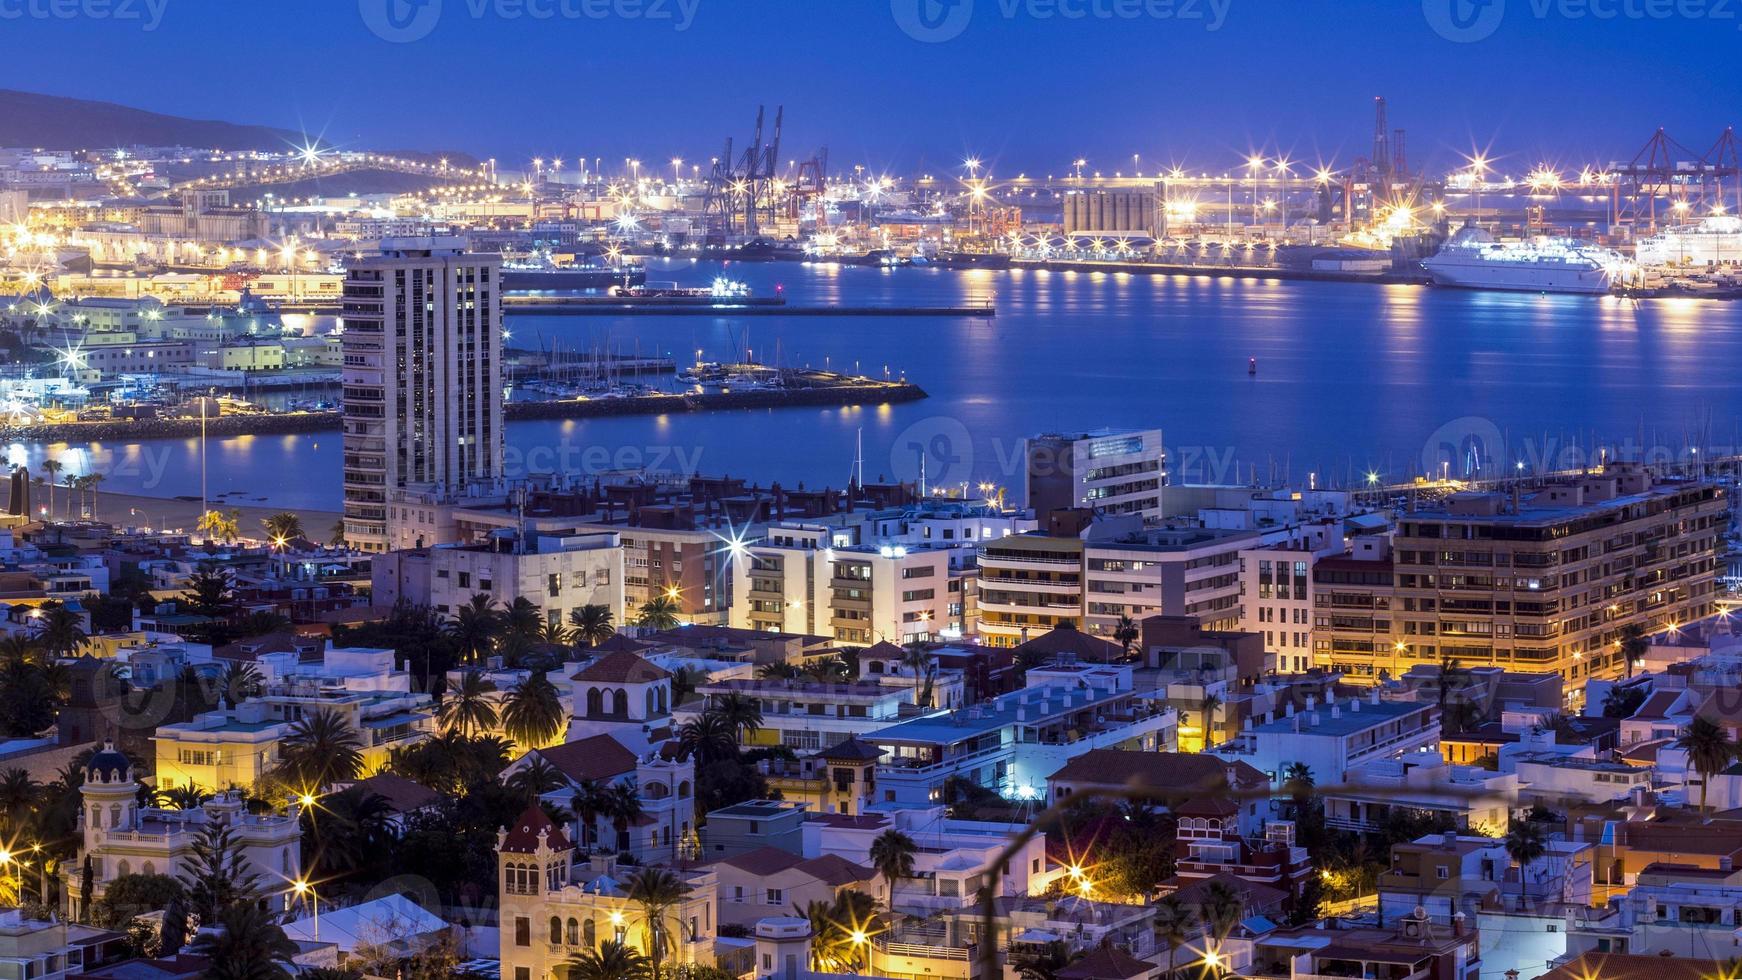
[[246, 945], [17, 650], [184, 797], [1174, 924], [336, 535], [1709, 750], [660, 893], [1451, 674], [1525, 842], [1125, 633], [282, 528], [779, 670], [242, 681], [591, 800], [18, 797], [892, 855], [52, 468], [709, 737], [94, 481], [1222, 910], [475, 627], [535, 779], [532, 712], [623, 806], [840, 930], [467, 708], [592, 624], [1209, 705], [742, 712], [658, 613], [1634, 646], [612, 960], [60, 631], [321, 749], [522, 624], [553, 632]]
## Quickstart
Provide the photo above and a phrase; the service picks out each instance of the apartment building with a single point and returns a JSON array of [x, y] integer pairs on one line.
[[1333, 739], [797, 580], [558, 572], [807, 716], [1276, 592], [1011, 744], [1542, 583], [1108, 471], [1030, 583], [423, 377]]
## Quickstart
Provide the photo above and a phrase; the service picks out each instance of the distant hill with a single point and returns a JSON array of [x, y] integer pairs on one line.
[[57, 123]]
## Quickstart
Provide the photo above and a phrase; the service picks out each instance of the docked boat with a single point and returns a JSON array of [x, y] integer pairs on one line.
[[973, 260], [1712, 241], [1472, 259], [540, 274]]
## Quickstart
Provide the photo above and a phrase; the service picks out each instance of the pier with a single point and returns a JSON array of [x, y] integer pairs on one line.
[[1138, 267], [753, 306]]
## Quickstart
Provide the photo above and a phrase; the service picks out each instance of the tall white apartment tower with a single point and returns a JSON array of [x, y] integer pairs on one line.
[[423, 377]]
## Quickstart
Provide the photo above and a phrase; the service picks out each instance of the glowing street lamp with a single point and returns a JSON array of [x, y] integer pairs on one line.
[[306, 891]]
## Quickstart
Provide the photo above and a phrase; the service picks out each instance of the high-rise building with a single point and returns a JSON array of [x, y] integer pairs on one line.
[[1545, 583], [1112, 472], [423, 377]]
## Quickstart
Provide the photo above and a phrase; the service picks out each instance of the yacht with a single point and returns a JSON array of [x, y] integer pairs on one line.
[[1472, 259]]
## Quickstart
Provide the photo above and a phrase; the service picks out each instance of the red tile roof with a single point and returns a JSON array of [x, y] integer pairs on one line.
[[400, 793], [621, 668], [1107, 963], [1162, 771], [523, 835], [596, 757]]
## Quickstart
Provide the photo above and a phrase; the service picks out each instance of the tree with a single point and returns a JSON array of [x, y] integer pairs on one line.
[[709, 737], [623, 806], [350, 836], [263, 622], [216, 874], [321, 749], [1709, 750], [282, 528], [209, 593], [52, 468], [1175, 923], [1526, 841], [336, 535], [740, 711], [1125, 634], [1208, 706], [536, 778], [592, 624], [1222, 910], [521, 625], [133, 895], [475, 627], [1635, 644], [242, 680], [1451, 682], [841, 930], [59, 631], [1622, 702], [246, 945], [183, 797], [612, 960], [591, 801], [779, 670], [658, 613], [18, 797], [533, 713], [219, 526], [660, 894], [892, 856], [467, 708]]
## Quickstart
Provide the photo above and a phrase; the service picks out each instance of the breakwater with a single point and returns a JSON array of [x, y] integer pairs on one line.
[[268, 424]]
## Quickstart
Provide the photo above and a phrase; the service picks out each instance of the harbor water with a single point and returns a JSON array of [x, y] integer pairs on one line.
[[1319, 382]]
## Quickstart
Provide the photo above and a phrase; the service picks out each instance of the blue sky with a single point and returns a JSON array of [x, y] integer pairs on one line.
[[1020, 83]]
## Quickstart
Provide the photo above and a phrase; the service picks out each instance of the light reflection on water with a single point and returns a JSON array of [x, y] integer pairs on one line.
[[1350, 377]]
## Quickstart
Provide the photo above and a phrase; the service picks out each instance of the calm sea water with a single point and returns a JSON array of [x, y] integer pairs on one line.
[[1350, 378]]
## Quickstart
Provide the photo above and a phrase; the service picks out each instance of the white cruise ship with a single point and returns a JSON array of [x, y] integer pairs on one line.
[[1474, 260], [1716, 240]]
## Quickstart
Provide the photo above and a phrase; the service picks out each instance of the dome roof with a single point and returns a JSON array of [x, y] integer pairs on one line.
[[108, 765]]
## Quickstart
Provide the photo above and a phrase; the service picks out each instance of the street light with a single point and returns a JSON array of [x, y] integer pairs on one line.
[[302, 889]]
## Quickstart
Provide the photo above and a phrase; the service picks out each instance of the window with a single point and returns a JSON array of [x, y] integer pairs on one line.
[[465, 580], [772, 896], [522, 931], [1442, 872]]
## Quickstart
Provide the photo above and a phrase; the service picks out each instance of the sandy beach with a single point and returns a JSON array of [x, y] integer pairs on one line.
[[133, 510]]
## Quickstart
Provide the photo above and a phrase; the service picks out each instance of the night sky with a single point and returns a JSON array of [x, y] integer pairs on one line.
[[1548, 80]]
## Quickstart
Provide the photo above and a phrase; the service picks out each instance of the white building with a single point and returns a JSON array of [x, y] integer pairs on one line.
[[1334, 739], [556, 572], [798, 581], [423, 376], [955, 857], [1111, 471]]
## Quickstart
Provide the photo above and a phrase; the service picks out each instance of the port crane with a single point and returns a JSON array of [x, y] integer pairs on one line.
[[741, 194]]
